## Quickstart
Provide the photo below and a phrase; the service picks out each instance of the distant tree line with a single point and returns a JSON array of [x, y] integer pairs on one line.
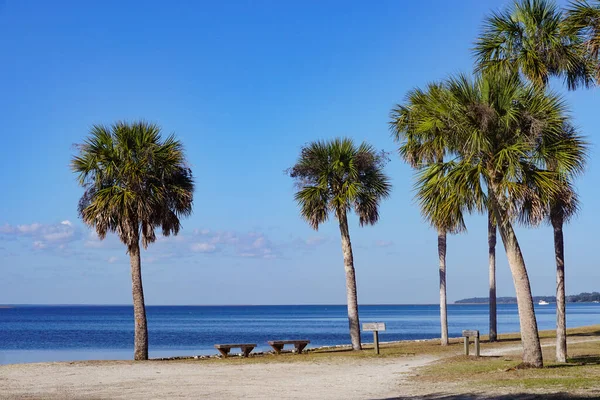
[[584, 297]]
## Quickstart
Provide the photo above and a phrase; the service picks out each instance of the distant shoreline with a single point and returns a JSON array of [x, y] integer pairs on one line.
[[584, 297]]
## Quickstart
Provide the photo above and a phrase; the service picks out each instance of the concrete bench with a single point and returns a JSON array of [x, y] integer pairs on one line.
[[471, 333], [245, 347], [299, 345]]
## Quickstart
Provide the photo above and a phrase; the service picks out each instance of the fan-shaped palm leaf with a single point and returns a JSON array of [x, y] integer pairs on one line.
[[529, 37]]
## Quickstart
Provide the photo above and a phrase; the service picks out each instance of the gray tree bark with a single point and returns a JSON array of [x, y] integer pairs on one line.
[[351, 295], [561, 321], [530, 340], [139, 307], [443, 301], [492, 272]]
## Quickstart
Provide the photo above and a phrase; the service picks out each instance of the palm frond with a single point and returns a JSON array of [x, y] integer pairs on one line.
[[513, 137], [530, 37], [335, 176], [134, 181]]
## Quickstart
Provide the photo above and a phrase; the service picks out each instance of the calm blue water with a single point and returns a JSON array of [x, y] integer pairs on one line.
[[60, 333]]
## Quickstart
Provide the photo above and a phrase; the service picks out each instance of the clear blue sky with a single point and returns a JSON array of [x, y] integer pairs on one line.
[[244, 84]]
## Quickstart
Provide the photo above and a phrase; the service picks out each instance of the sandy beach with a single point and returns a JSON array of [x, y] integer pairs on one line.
[[294, 377], [343, 379]]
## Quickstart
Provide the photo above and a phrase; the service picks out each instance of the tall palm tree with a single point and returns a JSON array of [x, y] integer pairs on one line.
[[417, 126], [501, 125], [442, 206], [534, 38], [338, 176], [564, 154], [493, 308], [583, 19], [134, 182], [563, 206], [530, 37]]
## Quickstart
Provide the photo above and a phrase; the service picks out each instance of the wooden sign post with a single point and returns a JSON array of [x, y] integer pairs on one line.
[[375, 327], [466, 335]]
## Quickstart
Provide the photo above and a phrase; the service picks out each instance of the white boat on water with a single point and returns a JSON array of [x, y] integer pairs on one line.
[[543, 303]]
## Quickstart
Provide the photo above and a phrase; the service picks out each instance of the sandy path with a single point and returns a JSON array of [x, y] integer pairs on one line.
[[349, 379], [517, 348], [342, 378]]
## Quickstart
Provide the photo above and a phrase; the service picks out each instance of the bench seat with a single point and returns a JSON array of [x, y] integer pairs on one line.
[[246, 348], [299, 345]]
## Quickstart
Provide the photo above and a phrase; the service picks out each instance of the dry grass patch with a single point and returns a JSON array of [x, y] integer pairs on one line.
[[342, 354], [394, 350], [581, 373]]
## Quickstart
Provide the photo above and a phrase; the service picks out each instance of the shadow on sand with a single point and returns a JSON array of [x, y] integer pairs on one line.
[[513, 396], [593, 333]]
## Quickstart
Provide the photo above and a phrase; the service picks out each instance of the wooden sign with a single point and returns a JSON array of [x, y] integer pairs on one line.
[[374, 326], [474, 334]]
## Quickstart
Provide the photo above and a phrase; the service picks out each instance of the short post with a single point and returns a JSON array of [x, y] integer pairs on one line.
[[375, 327], [468, 333]]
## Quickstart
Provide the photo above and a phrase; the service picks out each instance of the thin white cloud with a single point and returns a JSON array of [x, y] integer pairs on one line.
[[259, 243], [43, 236], [315, 240], [384, 243], [28, 229], [241, 244], [111, 241], [255, 245], [58, 236], [203, 247], [39, 245], [72, 240], [228, 237], [306, 244]]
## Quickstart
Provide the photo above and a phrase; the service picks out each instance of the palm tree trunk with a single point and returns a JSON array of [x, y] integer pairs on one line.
[[561, 322], [139, 308], [492, 264], [530, 340], [351, 296], [443, 301]]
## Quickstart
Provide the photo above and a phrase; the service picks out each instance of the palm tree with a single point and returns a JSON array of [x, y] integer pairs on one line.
[[134, 182], [442, 206], [417, 126], [533, 37], [583, 19], [493, 313], [530, 38], [563, 207], [501, 126], [565, 154], [337, 176]]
